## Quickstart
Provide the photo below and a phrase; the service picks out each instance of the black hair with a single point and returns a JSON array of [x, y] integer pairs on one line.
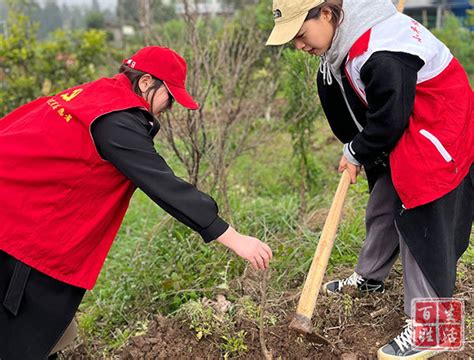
[[135, 75], [335, 6]]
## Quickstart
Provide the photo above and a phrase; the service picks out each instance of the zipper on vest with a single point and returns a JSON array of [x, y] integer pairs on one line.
[[402, 210], [439, 146]]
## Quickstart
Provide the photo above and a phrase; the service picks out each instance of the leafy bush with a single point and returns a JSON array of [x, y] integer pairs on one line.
[[299, 89], [30, 69], [459, 40]]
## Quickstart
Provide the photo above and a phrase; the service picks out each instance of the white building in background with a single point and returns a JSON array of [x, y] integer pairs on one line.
[[419, 3], [429, 12], [432, 12], [203, 7]]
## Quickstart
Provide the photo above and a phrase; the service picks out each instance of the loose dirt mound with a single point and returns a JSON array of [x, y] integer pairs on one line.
[[167, 339], [345, 327]]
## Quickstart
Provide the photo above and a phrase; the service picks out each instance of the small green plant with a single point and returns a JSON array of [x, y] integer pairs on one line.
[[119, 338], [234, 345], [347, 304], [250, 309], [469, 328], [199, 317]]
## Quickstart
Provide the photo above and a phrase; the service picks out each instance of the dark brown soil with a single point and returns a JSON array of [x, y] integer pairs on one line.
[[345, 327]]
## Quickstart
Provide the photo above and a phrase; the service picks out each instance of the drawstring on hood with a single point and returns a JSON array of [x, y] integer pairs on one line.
[[359, 16], [324, 69]]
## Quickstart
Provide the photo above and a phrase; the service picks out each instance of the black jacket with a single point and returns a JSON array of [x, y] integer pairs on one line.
[[390, 79], [125, 138]]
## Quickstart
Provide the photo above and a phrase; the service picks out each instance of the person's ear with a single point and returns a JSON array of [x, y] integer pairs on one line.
[[145, 82], [326, 14]]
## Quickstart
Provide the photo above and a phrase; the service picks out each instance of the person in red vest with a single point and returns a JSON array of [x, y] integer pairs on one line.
[[69, 165], [403, 107]]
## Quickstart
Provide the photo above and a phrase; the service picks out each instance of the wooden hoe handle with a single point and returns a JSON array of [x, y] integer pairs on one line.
[[401, 5], [312, 285]]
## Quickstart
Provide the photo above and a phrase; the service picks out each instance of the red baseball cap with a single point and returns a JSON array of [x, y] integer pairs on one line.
[[169, 67]]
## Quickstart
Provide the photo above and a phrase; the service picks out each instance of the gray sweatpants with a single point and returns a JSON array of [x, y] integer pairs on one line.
[[383, 243]]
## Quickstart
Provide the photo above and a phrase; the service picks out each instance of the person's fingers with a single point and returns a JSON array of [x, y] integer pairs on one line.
[[266, 258], [259, 260], [268, 250], [342, 166], [353, 176], [253, 262]]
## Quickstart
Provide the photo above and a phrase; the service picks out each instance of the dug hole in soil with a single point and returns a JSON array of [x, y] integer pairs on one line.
[[346, 327]]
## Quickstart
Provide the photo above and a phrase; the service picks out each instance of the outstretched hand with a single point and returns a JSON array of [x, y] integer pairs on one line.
[[249, 248]]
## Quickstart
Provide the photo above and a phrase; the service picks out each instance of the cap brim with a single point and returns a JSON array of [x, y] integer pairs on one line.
[[284, 32], [182, 97]]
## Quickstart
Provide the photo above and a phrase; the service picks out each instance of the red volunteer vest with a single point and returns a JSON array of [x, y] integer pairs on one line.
[[61, 205], [436, 151]]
